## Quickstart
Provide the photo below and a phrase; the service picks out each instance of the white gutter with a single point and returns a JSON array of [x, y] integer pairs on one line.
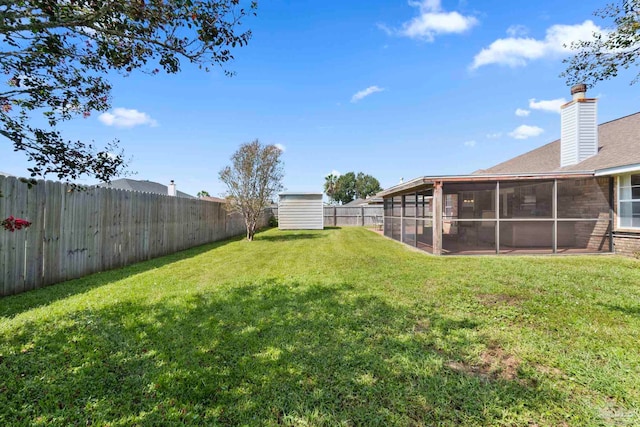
[[617, 170]]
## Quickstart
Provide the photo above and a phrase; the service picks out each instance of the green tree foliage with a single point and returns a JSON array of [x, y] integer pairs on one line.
[[253, 180], [56, 56], [366, 186], [351, 186], [610, 51], [345, 190], [330, 185], [203, 193]]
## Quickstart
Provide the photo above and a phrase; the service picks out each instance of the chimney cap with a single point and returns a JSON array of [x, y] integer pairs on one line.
[[579, 88]]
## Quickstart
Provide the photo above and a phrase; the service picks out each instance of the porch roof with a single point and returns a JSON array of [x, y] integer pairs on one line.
[[429, 181]]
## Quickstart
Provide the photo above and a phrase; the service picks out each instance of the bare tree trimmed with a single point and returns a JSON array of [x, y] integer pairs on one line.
[[252, 180]]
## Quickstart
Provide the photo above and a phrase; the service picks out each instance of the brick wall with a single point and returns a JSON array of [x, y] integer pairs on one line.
[[588, 199], [628, 245], [625, 242]]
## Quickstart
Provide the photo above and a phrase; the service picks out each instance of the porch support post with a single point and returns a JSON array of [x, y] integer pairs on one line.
[[437, 218], [497, 217], [554, 209], [402, 219], [415, 219]]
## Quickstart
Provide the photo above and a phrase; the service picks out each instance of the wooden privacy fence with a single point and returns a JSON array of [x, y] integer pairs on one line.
[[75, 233], [338, 216], [366, 216]]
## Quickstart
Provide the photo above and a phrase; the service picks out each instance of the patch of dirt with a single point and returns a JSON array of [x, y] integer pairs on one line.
[[615, 414], [422, 325], [498, 299], [550, 371], [494, 364]]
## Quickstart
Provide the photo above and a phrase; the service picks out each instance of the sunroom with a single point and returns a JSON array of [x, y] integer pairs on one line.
[[552, 213]]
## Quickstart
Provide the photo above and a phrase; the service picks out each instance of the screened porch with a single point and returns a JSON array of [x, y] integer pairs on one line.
[[498, 215]]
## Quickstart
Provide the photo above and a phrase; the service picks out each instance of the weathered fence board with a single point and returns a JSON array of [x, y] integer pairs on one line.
[[75, 233], [340, 216]]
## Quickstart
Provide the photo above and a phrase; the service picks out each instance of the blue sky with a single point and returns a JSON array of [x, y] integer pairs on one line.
[[393, 88]]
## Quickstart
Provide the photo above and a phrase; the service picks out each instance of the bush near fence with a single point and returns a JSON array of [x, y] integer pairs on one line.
[[75, 233]]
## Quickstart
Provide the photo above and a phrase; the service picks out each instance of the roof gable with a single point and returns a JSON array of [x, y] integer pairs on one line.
[[619, 145]]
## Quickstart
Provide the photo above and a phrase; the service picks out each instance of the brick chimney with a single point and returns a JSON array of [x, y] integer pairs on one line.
[[579, 127], [172, 189]]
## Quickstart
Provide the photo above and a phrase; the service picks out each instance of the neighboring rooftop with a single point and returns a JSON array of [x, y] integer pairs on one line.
[[373, 200], [144, 186], [212, 199], [618, 145]]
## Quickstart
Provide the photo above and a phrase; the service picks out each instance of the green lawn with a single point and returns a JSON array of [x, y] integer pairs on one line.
[[333, 327]]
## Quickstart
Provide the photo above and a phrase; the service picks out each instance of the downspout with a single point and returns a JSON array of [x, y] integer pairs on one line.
[[611, 214]]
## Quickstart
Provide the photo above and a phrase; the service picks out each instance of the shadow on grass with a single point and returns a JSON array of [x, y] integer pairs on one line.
[[288, 236], [632, 311], [273, 353], [16, 304]]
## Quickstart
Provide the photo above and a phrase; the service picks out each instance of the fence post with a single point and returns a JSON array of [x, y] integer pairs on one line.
[[335, 219], [362, 212]]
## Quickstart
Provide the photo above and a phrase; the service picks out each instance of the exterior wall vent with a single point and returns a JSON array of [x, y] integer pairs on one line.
[[579, 128]]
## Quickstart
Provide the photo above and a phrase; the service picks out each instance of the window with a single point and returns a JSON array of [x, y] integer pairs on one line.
[[629, 201]]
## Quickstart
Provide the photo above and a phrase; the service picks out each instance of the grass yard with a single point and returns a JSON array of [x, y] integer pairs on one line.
[[325, 328]]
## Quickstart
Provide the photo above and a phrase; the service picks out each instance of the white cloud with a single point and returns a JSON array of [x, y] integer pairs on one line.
[[386, 29], [494, 135], [518, 51], [366, 92], [517, 31], [280, 147], [471, 143], [432, 21], [552, 105], [521, 112], [126, 118], [525, 131]]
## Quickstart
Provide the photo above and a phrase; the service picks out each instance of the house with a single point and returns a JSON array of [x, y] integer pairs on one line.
[[146, 186], [374, 200], [579, 194]]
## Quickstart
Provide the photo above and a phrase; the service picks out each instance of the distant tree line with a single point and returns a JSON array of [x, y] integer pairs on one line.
[[350, 186]]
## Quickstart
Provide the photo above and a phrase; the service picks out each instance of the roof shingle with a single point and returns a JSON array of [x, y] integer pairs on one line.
[[618, 145]]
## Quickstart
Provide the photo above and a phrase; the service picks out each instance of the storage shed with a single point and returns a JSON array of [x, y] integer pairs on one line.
[[300, 211]]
